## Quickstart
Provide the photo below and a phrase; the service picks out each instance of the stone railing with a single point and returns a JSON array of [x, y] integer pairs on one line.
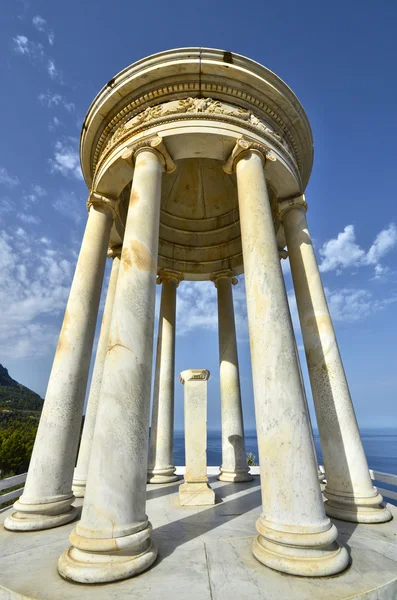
[[390, 495]]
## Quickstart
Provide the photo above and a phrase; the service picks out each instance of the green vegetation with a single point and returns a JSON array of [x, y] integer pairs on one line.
[[19, 418], [251, 460]]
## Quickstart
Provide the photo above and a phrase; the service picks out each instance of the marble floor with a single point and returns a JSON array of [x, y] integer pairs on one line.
[[204, 553]]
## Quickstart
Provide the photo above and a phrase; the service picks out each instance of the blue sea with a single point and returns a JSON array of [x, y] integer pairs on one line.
[[380, 446]]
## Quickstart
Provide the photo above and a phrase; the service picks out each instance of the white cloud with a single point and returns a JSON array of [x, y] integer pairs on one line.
[[69, 206], [384, 242], [10, 181], [29, 198], [350, 305], [31, 219], [66, 159], [23, 46], [52, 70], [343, 251], [54, 124], [35, 285], [50, 100], [41, 25]]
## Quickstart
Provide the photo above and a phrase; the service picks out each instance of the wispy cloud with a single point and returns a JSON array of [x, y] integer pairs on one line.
[[22, 45], [31, 197], [51, 100], [41, 25], [29, 219], [35, 280], [35, 53], [54, 124], [347, 304], [11, 181], [66, 159], [70, 206], [343, 251]]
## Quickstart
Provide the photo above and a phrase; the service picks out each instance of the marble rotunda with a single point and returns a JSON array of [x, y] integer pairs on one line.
[[197, 162]]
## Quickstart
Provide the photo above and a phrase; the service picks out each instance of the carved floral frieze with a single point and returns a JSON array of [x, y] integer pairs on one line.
[[193, 107]]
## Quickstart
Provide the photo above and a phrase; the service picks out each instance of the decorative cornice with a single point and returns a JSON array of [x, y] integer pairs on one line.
[[153, 97], [153, 144], [169, 275], [286, 205], [114, 251], [228, 274], [194, 374], [96, 199]]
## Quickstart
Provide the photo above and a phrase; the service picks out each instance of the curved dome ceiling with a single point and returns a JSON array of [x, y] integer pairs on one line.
[[199, 222]]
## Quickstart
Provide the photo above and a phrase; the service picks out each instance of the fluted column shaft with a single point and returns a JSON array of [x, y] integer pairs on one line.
[[112, 540], [161, 461], [349, 490], [295, 535], [47, 498], [234, 464], [81, 470]]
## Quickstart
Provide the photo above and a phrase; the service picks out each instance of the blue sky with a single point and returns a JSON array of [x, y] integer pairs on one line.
[[339, 58]]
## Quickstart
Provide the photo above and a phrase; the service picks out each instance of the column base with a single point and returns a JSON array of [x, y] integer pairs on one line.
[[304, 554], [356, 510], [196, 494], [96, 560], [235, 476], [34, 517], [166, 475], [78, 487]]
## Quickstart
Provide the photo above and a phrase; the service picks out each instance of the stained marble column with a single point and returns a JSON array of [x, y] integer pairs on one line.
[[112, 541], [295, 535], [234, 463], [81, 470], [349, 492], [47, 498], [161, 461]]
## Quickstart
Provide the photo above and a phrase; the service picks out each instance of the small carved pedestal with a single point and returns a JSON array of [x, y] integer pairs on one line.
[[195, 490]]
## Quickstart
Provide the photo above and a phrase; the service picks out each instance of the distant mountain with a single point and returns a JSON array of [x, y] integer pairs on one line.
[[15, 396]]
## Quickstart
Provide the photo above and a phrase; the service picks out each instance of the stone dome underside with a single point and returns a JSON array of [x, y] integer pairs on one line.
[[199, 222]]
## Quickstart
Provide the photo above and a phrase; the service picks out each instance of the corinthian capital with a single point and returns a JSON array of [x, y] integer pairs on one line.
[[285, 205], [97, 199]]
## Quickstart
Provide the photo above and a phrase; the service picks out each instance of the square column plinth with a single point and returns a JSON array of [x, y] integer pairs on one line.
[[195, 490]]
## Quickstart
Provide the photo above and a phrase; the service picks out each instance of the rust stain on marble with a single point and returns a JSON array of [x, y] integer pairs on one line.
[[142, 257], [134, 197]]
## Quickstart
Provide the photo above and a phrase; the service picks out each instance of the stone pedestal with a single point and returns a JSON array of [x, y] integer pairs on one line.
[[234, 464], [349, 491], [295, 535], [161, 461], [81, 470], [112, 541], [195, 490], [47, 498]]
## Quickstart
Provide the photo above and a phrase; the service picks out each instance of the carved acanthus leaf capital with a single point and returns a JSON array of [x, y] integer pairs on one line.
[[153, 144], [244, 145], [286, 205], [114, 251], [97, 199], [227, 274], [169, 275], [194, 374]]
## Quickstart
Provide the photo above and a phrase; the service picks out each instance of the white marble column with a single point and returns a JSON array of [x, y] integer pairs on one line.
[[112, 540], [349, 491], [161, 461], [47, 498], [195, 491], [295, 535], [234, 463], [81, 470]]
